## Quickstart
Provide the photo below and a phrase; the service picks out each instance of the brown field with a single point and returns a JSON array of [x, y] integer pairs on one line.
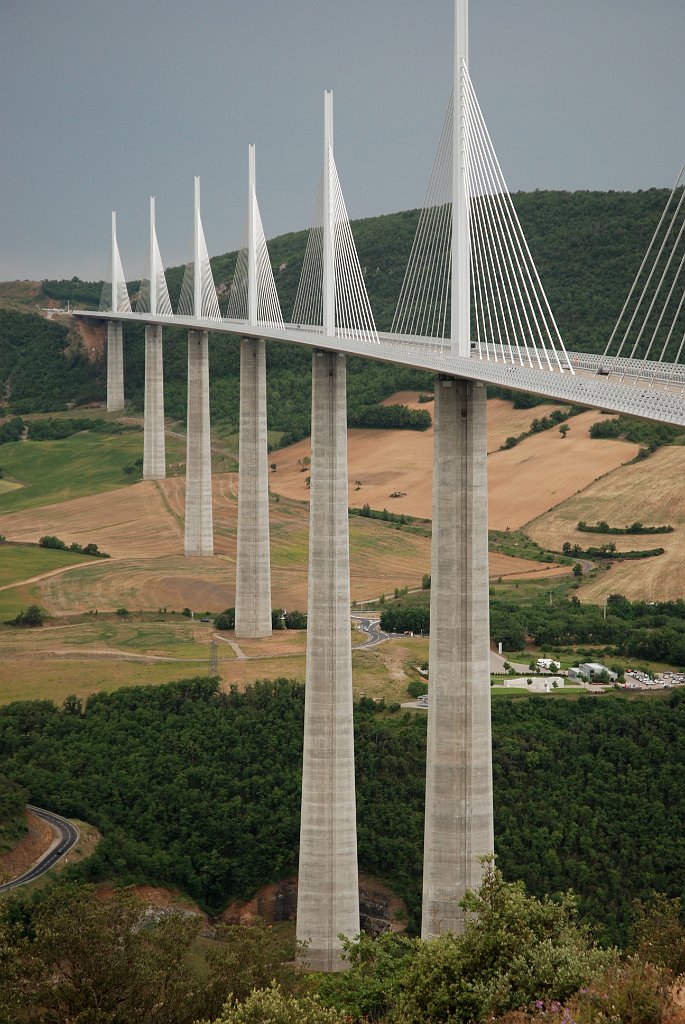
[[386, 461], [141, 525], [524, 481], [651, 491], [126, 522], [544, 470]]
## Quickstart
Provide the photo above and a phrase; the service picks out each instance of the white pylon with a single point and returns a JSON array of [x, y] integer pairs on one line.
[[460, 314], [114, 293], [198, 293], [154, 295]]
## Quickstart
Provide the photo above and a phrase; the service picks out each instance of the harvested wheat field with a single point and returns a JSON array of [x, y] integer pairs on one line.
[[524, 481], [651, 491], [546, 469], [129, 521], [394, 461]]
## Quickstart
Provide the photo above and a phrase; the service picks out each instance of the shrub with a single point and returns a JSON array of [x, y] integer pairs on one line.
[[225, 619], [33, 616], [52, 542]]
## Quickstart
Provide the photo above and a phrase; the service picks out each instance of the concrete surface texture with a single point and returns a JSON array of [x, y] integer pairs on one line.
[[328, 891], [199, 538], [154, 454], [253, 563], [459, 815], [115, 366]]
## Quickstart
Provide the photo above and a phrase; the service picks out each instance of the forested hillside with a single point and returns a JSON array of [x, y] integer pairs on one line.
[[202, 790], [587, 246]]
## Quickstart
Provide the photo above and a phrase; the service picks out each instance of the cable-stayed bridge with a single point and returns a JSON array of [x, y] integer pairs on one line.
[[473, 311]]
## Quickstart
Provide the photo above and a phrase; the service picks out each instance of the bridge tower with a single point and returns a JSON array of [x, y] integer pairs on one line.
[[115, 340], [154, 451], [459, 815], [199, 538], [328, 887], [253, 560]]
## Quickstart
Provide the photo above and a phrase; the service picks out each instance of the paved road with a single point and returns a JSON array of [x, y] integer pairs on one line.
[[66, 836], [372, 628]]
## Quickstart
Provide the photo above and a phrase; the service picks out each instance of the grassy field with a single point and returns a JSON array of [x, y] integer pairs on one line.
[[55, 471], [21, 562]]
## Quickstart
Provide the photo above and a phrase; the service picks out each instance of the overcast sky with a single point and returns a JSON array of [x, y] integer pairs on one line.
[[104, 103]]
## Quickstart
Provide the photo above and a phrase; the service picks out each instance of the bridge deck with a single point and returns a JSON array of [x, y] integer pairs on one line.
[[652, 390]]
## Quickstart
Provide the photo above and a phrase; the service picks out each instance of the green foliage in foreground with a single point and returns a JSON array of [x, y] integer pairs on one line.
[[202, 790], [515, 949], [67, 954], [70, 954]]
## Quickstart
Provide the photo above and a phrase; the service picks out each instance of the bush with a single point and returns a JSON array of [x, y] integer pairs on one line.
[[226, 619], [33, 616], [52, 542], [417, 688]]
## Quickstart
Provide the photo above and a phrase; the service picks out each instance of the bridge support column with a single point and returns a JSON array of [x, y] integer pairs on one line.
[[253, 563], [328, 888], [459, 816], [154, 457], [199, 538], [115, 366]]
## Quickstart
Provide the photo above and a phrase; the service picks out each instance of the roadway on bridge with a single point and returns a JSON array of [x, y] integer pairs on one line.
[[66, 836]]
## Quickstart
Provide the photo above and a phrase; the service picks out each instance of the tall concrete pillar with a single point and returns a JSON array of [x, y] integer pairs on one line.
[[328, 888], [199, 538], [154, 459], [115, 366], [253, 563], [459, 817]]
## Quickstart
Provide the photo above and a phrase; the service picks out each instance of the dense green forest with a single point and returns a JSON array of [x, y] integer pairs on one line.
[[572, 235], [641, 629], [199, 789], [39, 370]]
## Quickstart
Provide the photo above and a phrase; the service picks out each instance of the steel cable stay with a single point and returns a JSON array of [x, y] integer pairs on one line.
[[613, 359]]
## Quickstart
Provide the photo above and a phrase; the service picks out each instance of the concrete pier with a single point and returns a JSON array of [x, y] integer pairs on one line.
[[154, 458], [199, 538], [253, 562], [115, 367], [459, 816], [328, 888]]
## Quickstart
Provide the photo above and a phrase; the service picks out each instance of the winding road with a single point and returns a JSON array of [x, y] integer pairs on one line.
[[372, 628], [66, 836]]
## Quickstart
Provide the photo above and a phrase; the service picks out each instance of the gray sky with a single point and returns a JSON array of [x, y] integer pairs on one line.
[[106, 103]]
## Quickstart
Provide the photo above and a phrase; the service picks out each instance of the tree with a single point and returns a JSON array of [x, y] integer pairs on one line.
[[564, 429], [271, 1006], [49, 541], [274, 467], [357, 484], [34, 615], [577, 570], [76, 956], [226, 619], [515, 949]]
